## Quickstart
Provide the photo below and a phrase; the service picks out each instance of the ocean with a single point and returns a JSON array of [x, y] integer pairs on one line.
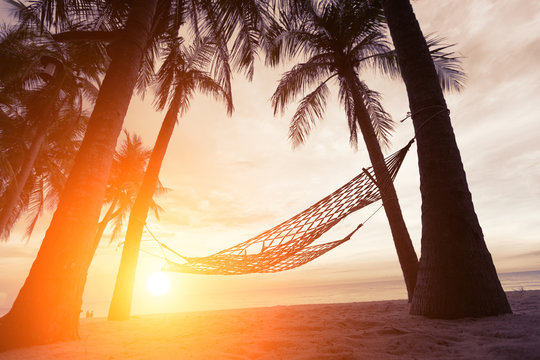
[[321, 294], [336, 293], [374, 291]]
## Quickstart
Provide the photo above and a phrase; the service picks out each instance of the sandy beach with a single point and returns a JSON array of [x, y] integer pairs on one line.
[[370, 330]]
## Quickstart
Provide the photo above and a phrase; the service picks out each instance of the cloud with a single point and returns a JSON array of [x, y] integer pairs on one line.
[[535, 254], [14, 251], [200, 207]]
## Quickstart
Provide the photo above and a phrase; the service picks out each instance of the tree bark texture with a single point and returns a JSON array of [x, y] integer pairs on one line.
[[407, 256], [457, 277], [120, 307], [48, 306]]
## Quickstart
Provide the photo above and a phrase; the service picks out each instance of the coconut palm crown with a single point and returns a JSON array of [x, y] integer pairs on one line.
[[125, 179], [184, 71], [337, 37]]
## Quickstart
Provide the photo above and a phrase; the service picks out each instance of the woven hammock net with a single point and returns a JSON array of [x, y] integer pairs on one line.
[[288, 245]]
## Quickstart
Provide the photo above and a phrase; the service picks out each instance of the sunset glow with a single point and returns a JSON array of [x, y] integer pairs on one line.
[[158, 283], [344, 179], [231, 178]]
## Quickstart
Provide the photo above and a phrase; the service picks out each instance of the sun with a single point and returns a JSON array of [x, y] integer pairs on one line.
[[158, 283]]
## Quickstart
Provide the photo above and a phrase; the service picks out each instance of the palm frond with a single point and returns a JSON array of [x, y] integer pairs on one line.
[[199, 53], [165, 77], [382, 122], [156, 209], [147, 72], [35, 206], [212, 28], [375, 52], [243, 19], [125, 179], [300, 77], [88, 89], [309, 111], [346, 97], [117, 226], [282, 44], [447, 64], [207, 85]]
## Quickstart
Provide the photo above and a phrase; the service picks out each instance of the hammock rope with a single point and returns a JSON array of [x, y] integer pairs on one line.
[[288, 245]]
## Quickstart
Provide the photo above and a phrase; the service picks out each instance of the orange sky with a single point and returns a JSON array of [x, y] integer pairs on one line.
[[231, 178]]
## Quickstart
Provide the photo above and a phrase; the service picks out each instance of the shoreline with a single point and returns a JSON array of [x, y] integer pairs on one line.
[[376, 329]]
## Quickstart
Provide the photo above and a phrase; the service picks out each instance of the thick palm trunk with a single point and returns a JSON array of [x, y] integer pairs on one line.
[[123, 289], [402, 240], [48, 305], [456, 277]]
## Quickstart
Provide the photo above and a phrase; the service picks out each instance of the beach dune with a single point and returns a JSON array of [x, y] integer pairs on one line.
[[370, 330]]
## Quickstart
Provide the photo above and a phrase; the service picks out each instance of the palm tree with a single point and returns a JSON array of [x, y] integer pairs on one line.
[[51, 165], [456, 277], [340, 39], [126, 176], [132, 29], [47, 307], [46, 83], [184, 71]]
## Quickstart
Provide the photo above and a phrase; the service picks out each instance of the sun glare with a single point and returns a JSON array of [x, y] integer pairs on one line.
[[158, 283]]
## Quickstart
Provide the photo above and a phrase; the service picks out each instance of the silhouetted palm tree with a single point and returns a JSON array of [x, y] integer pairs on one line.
[[42, 89], [340, 39], [46, 179], [183, 72], [456, 277], [132, 29], [125, 180], [47, 307]]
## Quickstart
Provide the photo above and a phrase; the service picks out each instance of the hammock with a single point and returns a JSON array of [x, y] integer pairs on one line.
[[288, 245]]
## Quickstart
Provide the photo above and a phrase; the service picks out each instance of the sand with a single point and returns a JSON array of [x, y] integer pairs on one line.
[[370, 330]]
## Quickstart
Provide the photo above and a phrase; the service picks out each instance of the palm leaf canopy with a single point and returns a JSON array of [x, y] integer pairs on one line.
[[127, 173], [185, 69], [26, 89], [333, 37]]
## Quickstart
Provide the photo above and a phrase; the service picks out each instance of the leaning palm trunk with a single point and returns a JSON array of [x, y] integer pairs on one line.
[[123, 290], [402, 240], [48, 305], [456, 277]]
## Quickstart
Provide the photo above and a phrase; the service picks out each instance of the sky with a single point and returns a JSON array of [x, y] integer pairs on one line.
[[231, 178]]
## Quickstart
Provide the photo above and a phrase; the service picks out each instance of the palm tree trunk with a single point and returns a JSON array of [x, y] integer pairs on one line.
[[402, 240], [48, 306], [456, 277], [120, 307]]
